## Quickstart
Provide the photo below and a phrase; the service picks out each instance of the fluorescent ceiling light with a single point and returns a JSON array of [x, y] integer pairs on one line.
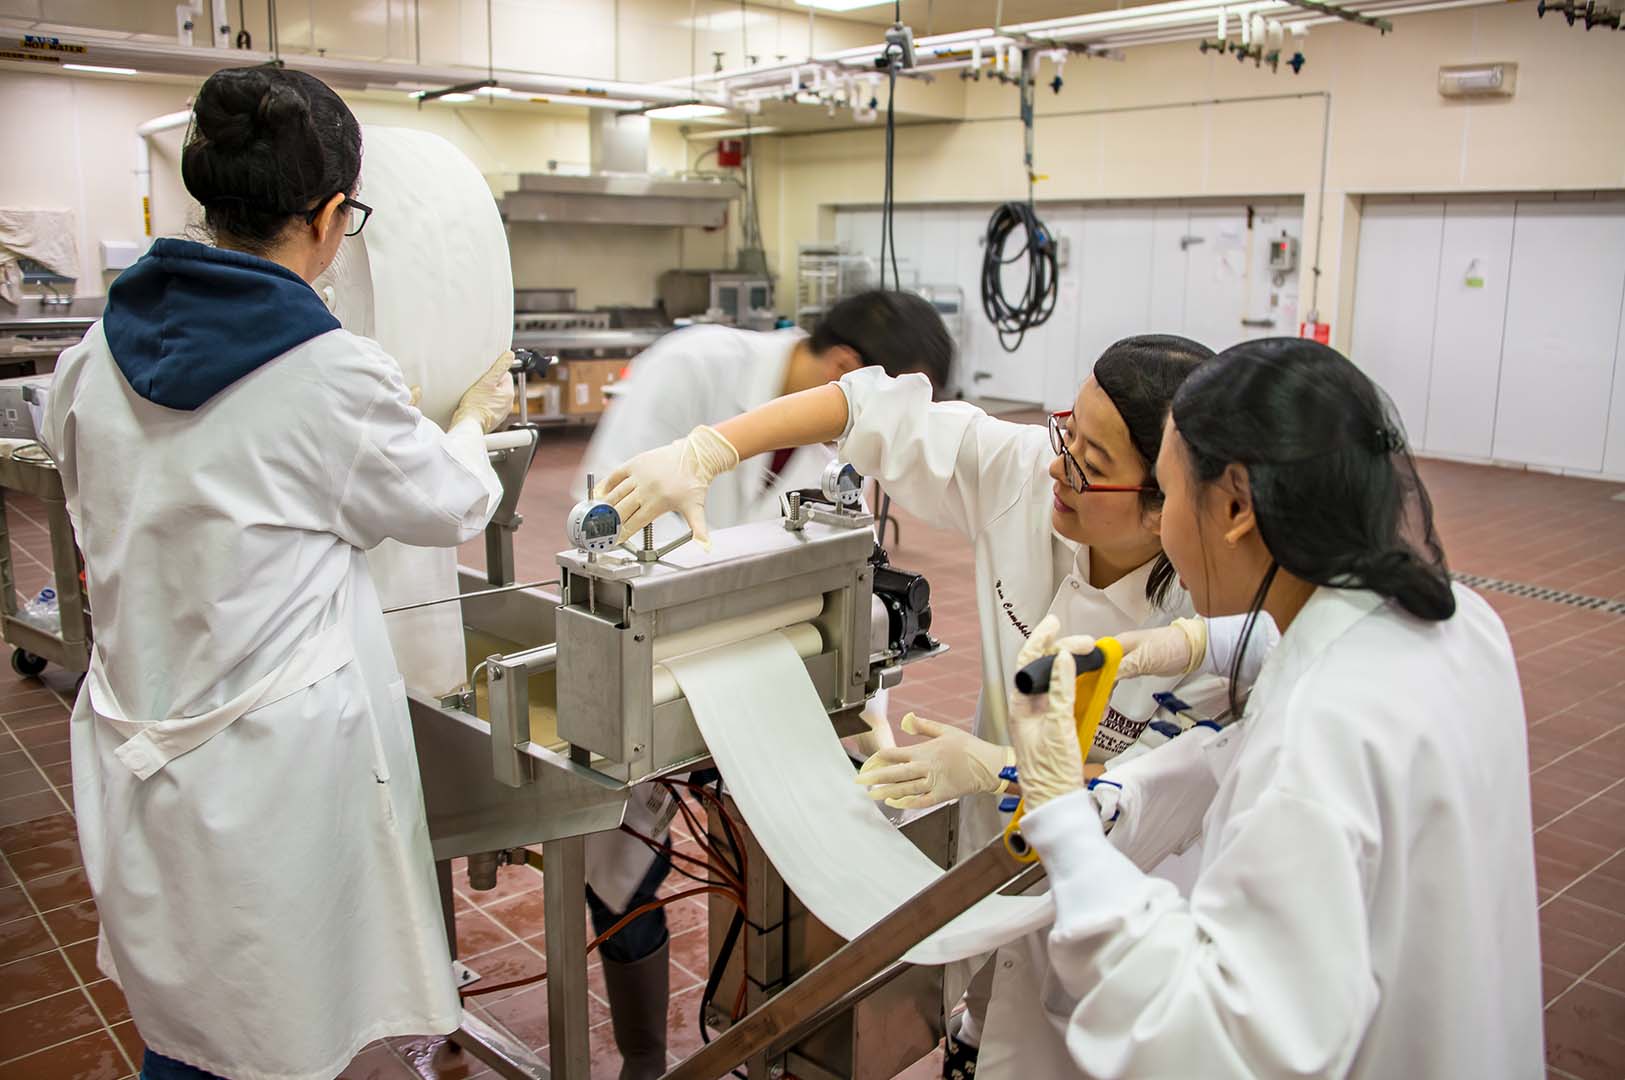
[[455, 99], [495, 91], [685, 112], [840, 5], [731, 133], [586, 101], [93, 69]]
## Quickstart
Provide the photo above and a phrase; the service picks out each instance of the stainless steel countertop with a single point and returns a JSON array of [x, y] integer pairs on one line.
[[561, 340], [32, 316]]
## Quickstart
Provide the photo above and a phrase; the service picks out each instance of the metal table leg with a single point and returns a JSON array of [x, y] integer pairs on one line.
[[564, 897]]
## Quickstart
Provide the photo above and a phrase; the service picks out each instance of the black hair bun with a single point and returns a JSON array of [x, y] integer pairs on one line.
[[243, 105], [266, 143]]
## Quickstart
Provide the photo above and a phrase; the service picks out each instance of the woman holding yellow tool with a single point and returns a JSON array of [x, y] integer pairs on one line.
[[1365, 904], [1063, 521]]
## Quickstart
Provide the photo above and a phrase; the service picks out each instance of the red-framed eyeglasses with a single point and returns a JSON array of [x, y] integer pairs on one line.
[[1073, 471]]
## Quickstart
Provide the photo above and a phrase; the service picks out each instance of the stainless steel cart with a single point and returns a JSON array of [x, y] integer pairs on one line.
[[36, 645]]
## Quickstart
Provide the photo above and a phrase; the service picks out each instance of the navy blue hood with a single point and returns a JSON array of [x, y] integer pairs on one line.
[[188, 320]]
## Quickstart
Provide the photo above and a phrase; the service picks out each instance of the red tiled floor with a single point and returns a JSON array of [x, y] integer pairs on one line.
[[45, 1022], [76, 922], [1525, 527], [91, 1057]]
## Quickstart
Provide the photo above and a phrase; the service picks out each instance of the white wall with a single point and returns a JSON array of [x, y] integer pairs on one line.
[[81, 156], [1494, 324], [1168, 122]]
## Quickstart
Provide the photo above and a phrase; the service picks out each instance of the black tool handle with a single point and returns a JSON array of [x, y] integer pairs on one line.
[[1034, 678]]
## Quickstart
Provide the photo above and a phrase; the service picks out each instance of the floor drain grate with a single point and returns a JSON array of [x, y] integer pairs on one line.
[[1541, 592]]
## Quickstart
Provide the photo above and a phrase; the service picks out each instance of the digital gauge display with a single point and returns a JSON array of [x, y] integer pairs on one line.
[[593, 526]]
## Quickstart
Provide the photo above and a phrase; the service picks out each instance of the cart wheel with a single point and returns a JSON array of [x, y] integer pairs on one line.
[[26, 663]]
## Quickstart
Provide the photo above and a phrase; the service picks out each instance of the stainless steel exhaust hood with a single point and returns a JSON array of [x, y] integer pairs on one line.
[[620, 190]]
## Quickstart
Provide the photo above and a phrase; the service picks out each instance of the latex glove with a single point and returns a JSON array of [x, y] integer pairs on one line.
[[674, 477], [416, 396], [950, 764], [490, 399], [1042, 726]]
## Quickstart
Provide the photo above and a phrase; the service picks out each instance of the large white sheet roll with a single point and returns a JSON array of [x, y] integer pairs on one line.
[[429, 279], [769, 734]]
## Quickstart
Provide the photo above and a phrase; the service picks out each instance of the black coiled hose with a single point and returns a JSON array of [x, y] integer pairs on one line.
[[1037, 301]]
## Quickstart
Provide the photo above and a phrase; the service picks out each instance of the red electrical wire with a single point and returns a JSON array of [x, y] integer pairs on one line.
[[733, 887]]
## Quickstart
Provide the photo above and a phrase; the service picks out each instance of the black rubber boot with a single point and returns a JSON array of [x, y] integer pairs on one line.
[[638, 994]]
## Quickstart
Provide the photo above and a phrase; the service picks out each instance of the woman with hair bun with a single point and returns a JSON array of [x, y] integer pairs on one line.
[[1365, 904], [246, 787]]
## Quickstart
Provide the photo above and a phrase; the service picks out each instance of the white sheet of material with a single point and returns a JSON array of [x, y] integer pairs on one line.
[[429, 279], [772, 739], [803, 637]]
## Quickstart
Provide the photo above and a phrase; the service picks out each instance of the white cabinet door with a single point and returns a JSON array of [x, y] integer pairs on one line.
[[1114, 283], [1562, 326], [1053, 347], [1216, 276], [1167, 308], [1475, 262], [939, 266], [1613, 462], [1395, 292], [993, 372]]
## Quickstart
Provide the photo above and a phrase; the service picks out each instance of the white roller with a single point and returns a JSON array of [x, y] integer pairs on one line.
[[737, 628], [429, 279]]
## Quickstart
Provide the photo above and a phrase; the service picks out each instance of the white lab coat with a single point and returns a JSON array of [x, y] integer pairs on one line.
[[988, 479], [1366, 901], [248, 799], [705, 375], [698, 375], [1162, 794]]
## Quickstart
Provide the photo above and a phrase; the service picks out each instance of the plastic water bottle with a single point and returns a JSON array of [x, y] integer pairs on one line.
[[43, 612]]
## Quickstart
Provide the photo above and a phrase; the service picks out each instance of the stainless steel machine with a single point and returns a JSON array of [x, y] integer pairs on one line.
[[572, 707]]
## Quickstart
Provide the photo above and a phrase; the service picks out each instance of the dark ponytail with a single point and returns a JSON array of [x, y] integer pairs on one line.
[[1140, 375], [1335, 490], [267, 144]]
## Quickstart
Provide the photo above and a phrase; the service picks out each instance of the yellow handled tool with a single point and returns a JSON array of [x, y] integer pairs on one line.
[[1097, 674]]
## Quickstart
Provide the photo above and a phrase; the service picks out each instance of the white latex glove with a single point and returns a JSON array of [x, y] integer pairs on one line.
[[950, 764], [489, 401], [667, 478], [1042, 726], [1176, 649]]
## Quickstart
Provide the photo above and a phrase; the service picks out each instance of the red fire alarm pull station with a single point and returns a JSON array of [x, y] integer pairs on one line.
[[730, 153]]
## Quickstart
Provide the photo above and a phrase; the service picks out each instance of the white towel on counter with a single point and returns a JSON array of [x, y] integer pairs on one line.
[[46, 236]]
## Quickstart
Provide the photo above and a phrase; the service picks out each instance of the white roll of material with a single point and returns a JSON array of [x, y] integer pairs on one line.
[[429, 279], [769, 735]]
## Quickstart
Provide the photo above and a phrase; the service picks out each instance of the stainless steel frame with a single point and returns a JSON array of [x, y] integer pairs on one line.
[[69, 647], [877, 1034], [494, 785]]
